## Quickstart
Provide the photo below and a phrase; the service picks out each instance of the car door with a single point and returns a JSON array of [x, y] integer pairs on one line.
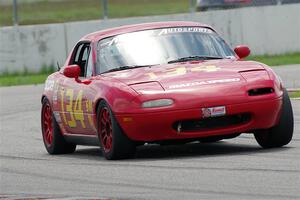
[[75, 96]]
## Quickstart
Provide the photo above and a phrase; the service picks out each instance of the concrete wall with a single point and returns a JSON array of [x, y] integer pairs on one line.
[[267, 30]]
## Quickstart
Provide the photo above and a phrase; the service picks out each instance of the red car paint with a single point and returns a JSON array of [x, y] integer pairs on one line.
[[198, 85]]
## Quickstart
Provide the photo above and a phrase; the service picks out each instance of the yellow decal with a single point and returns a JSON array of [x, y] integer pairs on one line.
[[208, 68], [175, 72], [62, 106], [127, 119], [89, 108], [183, 70], [72, 122], [152, 75], [76, 112]]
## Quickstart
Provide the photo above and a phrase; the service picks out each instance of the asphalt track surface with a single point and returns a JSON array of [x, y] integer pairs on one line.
[[231, 169]]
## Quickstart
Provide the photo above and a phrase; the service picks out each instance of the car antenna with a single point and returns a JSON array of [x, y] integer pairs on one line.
[[58, 67]]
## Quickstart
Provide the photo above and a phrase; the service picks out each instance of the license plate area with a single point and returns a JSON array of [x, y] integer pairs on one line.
[[213, 111]]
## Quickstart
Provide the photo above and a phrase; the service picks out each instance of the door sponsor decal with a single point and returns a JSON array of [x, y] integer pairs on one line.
[[73, 106]]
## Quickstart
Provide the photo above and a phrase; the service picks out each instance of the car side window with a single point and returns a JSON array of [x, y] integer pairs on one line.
[[81, 57], [77, 54], [89, 68]]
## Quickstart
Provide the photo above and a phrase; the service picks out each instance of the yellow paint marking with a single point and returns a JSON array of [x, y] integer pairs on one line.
[[127, 119], [78, 113], [152, 75], [89, 107], [208, 68], [72, 122], [62, 106], [175, 72]]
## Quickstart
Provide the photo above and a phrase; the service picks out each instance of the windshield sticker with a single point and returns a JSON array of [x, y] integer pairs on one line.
[[183, 85], [185, 30]]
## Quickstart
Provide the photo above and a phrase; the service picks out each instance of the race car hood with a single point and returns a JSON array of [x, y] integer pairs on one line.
[[189, 74]]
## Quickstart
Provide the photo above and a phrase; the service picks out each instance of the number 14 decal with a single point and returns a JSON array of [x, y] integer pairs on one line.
[[75, 108]]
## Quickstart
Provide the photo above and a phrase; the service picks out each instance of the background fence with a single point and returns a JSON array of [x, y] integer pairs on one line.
[[56, 11], [267, 30]]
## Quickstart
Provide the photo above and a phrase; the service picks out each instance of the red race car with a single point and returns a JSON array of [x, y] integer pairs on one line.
[[157, 83]]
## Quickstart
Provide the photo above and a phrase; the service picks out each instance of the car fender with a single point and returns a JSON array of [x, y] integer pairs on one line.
[[50, 86], [117, 94]]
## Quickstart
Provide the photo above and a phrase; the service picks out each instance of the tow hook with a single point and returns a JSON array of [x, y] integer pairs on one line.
[[179, 127]]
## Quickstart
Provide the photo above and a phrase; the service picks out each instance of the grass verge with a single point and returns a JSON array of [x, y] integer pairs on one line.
[[294, 94], [26, 78], [275, 60], [10, 80], [46, 11]]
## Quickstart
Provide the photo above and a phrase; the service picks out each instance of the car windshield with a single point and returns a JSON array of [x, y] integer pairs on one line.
[[160, 46]]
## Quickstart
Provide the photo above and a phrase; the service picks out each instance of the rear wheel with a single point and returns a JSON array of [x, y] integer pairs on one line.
[[53, 139], [114, 143], [282, 133]]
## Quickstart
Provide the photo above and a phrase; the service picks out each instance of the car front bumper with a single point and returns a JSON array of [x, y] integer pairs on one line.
[[159, 126]]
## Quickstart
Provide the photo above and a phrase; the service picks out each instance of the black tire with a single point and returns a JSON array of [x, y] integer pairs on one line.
[[58, 144], [282, 133], [121, 147]]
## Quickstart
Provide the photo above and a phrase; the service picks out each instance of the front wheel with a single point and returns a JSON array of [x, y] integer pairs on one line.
[[282, 133], [114, 143], [54, 141]]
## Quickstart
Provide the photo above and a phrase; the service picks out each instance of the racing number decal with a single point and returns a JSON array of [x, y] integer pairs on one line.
[[71, 122], [89, 106], [75, 109], [183, 70], [62, 105], [78, 109], [169, 73], [176, 72], [207, 68]]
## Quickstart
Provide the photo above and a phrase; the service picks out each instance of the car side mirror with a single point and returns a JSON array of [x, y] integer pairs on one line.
[[72, 71], [242, 51]]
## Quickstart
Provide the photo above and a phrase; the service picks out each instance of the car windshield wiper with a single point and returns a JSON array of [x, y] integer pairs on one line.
[[126, 67], [189, 58]]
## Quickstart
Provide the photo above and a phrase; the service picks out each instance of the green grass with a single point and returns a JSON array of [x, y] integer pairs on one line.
[[26, 78], [10, 80], [77, 10], [294, 94], [276, 60]]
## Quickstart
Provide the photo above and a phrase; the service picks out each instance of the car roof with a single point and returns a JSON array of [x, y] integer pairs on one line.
[[96, 36]]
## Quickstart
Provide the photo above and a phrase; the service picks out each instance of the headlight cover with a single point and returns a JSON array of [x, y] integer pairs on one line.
[[157, 103]]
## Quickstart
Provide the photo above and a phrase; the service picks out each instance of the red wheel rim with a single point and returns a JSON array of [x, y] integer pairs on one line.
[[105, 130], [47, 124]]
